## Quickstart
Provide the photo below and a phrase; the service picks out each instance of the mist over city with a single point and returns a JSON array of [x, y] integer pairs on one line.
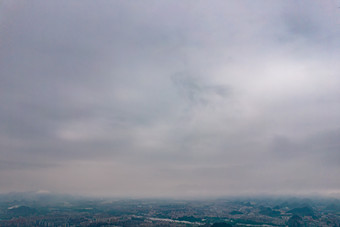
[[183, 100]]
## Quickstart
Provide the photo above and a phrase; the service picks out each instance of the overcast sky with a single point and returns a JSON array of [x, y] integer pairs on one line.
[[170, 98]]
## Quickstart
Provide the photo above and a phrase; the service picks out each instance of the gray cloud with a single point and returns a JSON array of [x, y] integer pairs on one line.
[[169, 98], [192, 90]]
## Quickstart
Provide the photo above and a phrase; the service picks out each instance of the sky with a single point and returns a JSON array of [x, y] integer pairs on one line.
[[170, 98]]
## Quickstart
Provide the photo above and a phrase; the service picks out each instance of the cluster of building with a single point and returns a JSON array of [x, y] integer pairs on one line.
[[232, 212]]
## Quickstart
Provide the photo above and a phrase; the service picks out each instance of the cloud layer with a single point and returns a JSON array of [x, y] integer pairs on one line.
[[166, 98]]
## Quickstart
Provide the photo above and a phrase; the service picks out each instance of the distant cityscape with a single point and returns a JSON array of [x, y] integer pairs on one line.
[[33, 209]]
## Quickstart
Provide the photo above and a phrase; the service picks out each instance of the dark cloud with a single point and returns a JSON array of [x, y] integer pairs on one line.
[[192, 90]]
